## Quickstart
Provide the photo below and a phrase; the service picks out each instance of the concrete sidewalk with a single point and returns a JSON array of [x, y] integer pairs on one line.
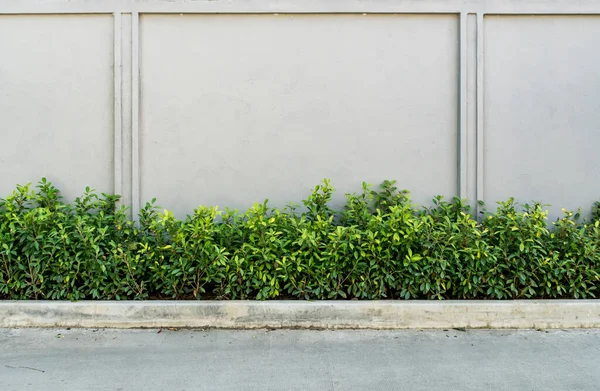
[[104, 359]]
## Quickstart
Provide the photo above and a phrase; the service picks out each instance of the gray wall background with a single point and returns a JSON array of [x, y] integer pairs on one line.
[[230, 102]]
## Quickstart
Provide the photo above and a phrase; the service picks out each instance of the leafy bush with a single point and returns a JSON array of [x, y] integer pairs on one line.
[[596, 211], [378, 246]]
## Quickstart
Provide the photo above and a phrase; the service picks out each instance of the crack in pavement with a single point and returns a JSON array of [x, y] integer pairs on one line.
[[22, 367]]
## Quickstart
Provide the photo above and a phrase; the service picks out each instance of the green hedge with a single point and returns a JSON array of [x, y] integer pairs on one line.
[[378, 246]]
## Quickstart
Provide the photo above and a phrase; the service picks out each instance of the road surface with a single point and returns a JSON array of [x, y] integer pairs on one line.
[[298, 360]]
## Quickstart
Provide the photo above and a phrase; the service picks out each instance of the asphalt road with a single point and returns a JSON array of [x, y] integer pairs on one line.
[[298, 360]]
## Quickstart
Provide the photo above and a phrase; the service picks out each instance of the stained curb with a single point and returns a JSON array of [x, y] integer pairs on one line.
[[530, 314]]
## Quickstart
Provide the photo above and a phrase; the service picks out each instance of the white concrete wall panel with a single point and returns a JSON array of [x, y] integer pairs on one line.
[[542, 110], [235, 109], [56, 97]]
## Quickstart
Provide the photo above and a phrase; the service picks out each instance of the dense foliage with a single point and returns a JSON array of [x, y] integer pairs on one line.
[[378, 246]]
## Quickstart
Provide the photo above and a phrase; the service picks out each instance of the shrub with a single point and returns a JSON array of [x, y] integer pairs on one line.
[[596, 211], [379, 246]]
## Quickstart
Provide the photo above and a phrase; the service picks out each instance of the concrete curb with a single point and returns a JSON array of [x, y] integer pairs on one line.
[[529, 314]]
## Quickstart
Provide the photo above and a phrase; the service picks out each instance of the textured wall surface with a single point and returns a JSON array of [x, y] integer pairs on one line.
[[542, 109], [56, 101], [230, 102], [236, 109]]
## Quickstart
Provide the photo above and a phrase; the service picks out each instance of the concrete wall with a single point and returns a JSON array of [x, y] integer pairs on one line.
[[56, 104], [230, 102]]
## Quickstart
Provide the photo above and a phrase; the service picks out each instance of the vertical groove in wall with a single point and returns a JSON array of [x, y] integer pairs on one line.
[[126, 109], [462, 144], [480, 131], [471, 110], [117, 142], [135, 115]]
